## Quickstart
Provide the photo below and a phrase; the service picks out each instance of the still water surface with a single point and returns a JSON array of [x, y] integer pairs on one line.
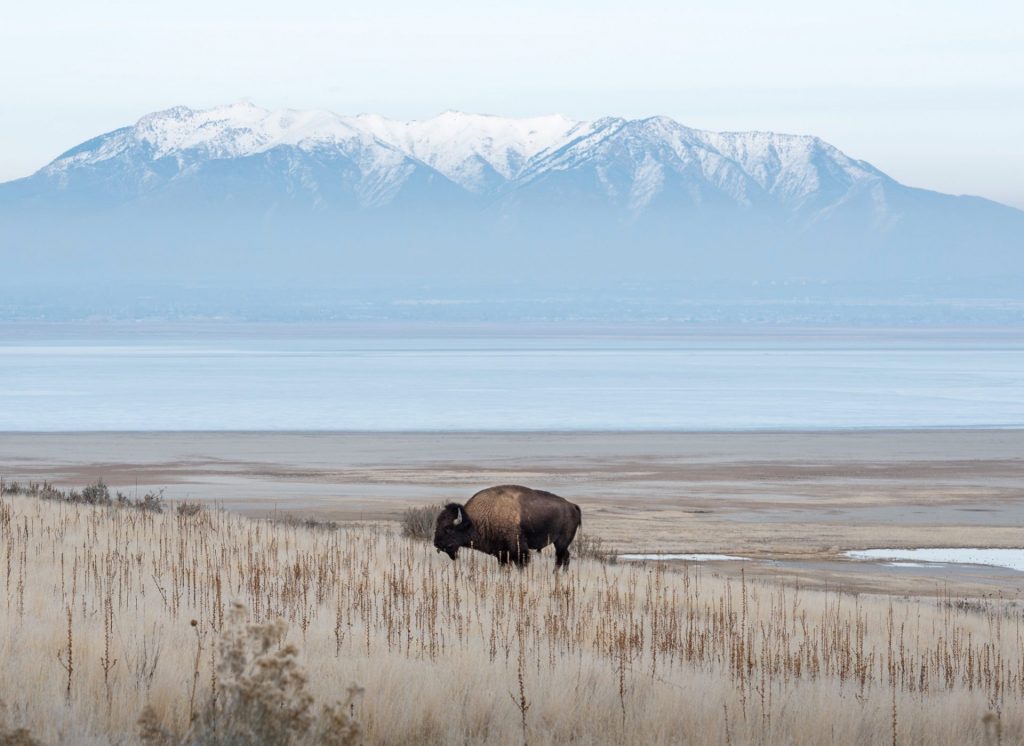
[[310, 377]]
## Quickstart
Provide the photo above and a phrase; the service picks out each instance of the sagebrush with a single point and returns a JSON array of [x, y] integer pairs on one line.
[[259, 694], [418, 522]]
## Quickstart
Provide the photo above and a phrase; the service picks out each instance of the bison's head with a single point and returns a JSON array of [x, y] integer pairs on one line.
[[452, 530]]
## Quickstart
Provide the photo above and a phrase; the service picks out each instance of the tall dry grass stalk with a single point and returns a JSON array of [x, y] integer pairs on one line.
[[601, 654]]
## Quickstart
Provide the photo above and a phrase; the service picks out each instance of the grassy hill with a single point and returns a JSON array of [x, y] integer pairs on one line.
[[205, 624]]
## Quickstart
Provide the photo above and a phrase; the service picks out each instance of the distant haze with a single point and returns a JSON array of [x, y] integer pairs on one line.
[[928, 91]]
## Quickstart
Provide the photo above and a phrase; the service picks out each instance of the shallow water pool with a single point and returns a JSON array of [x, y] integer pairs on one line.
[[1012, 559], [681, 557]]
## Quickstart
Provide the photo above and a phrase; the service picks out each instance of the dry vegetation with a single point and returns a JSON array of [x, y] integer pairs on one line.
[[110, 615], [418, 522]]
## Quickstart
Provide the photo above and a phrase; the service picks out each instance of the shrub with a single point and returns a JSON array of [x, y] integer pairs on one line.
[[44, 491], [94, 494], [188, 509], [262, 697], [418, 522], [152, 502], [586, 546], [286, 519]]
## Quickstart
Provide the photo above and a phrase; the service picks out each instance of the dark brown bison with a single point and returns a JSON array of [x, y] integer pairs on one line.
[[507, 522]]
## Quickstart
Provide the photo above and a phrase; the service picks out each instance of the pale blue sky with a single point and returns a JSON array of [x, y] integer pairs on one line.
[[930, 92]]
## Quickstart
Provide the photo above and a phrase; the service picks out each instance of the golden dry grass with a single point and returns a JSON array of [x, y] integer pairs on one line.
[[95, 626]]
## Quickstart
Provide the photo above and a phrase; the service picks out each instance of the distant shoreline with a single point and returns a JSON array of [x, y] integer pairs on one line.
[[838, 430], [530, 326]]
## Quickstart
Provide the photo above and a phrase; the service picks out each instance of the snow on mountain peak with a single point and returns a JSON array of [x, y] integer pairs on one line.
[[237, 129], [464, 147], [789, 165]]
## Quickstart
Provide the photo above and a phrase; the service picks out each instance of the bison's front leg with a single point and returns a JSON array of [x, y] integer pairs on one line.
[[521, 551]]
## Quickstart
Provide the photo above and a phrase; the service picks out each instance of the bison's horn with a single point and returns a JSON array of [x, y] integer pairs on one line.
[[458, 518]]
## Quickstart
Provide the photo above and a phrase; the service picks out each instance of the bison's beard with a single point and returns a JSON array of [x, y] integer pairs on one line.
[[452, 552]]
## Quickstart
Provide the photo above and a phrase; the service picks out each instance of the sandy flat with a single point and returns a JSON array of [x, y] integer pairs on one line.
[[792, 501]]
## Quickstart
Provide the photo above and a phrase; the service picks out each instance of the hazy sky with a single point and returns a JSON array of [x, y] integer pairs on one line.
[[931, 92]]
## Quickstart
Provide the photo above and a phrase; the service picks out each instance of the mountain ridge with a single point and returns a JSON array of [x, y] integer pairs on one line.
[[469, 197], [245, 130]]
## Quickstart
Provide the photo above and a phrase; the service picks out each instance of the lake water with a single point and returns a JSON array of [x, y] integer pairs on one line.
[[310, 377], [680, 558]]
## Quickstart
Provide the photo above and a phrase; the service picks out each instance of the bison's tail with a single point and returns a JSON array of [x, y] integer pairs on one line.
[[579, 515]]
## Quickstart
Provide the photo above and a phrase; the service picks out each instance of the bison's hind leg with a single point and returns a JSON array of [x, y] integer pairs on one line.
[[562, 548], [561, 555]]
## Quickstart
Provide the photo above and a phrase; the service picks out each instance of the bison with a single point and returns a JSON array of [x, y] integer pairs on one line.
[[507, 522]]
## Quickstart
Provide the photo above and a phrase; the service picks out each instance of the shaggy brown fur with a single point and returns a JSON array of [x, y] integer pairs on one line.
[[507, 522]]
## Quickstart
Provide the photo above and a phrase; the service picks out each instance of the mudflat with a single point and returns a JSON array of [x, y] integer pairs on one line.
[[791, 502]]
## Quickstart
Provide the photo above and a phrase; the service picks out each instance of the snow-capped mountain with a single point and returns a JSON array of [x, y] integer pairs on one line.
[[463, 195], [486, 154]]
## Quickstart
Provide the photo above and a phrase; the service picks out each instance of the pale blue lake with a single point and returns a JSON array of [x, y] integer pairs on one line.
[[390, 377]]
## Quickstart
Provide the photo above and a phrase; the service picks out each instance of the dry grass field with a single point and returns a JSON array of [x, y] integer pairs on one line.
[[199, 619]]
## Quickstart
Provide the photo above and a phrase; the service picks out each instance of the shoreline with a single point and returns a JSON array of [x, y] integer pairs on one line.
[[880, 429], [531, 326]]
